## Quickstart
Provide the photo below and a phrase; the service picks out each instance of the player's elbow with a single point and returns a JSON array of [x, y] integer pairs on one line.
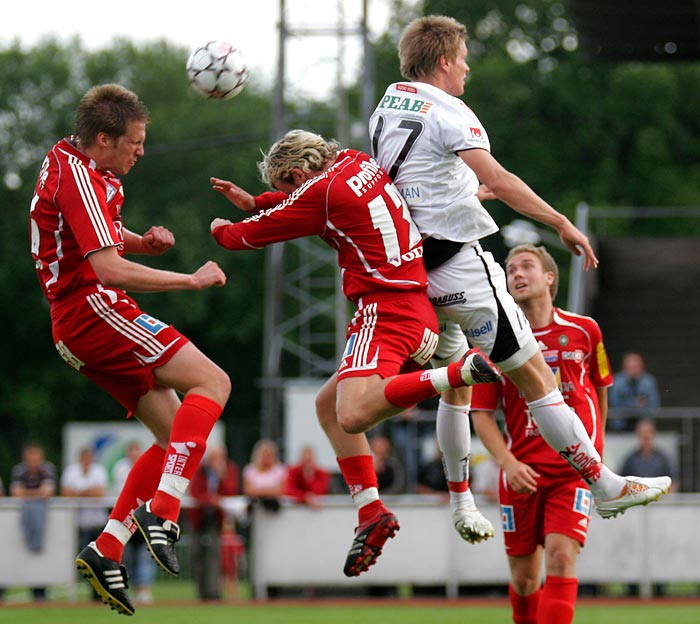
[[111, 277]]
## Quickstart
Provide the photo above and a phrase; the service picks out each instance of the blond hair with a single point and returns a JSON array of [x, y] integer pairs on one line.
[[548, 263], [298, 149], [425, 40]]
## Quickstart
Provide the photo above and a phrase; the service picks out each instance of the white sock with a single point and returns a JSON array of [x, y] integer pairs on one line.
[[565, 433], [117, 530], [454, 440], [365, 497]]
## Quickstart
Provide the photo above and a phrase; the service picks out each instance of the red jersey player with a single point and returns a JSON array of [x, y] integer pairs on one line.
[[78, 241], [543, 503], [344, 197]]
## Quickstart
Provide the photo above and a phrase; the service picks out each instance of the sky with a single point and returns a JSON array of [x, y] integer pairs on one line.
[[250, 25]]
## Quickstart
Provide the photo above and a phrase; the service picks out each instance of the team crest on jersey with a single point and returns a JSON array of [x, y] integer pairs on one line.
[[563, 340], [111, 192]]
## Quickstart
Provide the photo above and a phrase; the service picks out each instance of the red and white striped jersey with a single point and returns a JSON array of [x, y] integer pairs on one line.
[[76, 209], [355, 208], [573, 346]]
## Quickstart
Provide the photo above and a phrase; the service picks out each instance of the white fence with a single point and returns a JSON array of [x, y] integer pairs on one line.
[[300, 546]]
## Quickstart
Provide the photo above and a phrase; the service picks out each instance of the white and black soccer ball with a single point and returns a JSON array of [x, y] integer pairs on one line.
[[217, 70]]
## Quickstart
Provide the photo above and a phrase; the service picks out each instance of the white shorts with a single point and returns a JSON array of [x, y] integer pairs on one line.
[[470, 295]]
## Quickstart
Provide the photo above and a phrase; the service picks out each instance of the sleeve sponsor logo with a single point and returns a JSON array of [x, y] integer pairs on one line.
[[476, 133]]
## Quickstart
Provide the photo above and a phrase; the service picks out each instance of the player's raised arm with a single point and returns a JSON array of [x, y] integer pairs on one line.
[[513, 191], [117, 272], [234, 193], [154, 242]]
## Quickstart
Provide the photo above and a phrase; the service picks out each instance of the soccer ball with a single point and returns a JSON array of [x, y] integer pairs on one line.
[[217, 70]]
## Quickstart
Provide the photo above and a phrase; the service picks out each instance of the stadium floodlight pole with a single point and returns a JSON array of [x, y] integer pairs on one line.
[[577, 277], [270, 425], [367, 81]]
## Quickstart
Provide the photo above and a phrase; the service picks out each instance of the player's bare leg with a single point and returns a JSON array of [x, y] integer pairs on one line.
[[376, 523], [364, 402]]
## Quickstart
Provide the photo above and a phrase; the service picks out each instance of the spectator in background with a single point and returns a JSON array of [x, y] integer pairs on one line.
[[137, 557], [431, 476], [647, 460], [634, 389], [87, 479], [217, 476], [306, 481], [34, 481], [484, 474], [391, 474], [265, 477]]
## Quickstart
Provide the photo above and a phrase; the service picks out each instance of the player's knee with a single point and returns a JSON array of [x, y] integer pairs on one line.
[[352, 421], [524, 583], [219, 384], [560, 561], [325, 412]]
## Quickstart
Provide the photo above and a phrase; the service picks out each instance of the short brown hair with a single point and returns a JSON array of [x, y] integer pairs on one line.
[[548, 263], [425, 40], [107, 108]]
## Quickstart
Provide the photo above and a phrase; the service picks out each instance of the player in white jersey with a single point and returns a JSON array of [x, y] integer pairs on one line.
[[438, 154]]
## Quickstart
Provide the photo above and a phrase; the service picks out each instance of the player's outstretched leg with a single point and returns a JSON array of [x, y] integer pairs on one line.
[[107, 577], [370, 537], [160, 536], [637, 491], [476, 368]]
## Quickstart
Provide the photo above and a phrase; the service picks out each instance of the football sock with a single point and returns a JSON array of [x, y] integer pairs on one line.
[[524, 607], [454, 440], [194, 420], [558, 600], [361, 479], [410, 389], [139, 487], [565, 433]]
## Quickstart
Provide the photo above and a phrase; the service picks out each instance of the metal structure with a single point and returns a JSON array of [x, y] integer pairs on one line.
[[305, 310]]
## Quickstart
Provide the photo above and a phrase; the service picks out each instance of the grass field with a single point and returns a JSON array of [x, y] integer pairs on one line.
[[342, 613], [176, 603]]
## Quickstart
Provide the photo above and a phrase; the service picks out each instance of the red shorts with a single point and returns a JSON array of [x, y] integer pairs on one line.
[[560, 505], [104, 335], [388, 335]]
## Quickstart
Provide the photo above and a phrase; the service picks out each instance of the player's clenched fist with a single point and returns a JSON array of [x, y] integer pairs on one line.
[[208, 275], [157, 240]]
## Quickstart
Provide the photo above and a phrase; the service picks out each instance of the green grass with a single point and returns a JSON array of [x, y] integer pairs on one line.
[[176, 604], [388, 612]]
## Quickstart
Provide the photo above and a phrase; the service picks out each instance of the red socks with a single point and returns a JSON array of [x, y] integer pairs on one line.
[[558, 600], [138, 488], [358, 472], [193, 423], [524, 607]]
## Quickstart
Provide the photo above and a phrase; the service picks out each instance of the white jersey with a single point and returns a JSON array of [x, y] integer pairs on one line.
[[417, 131]]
